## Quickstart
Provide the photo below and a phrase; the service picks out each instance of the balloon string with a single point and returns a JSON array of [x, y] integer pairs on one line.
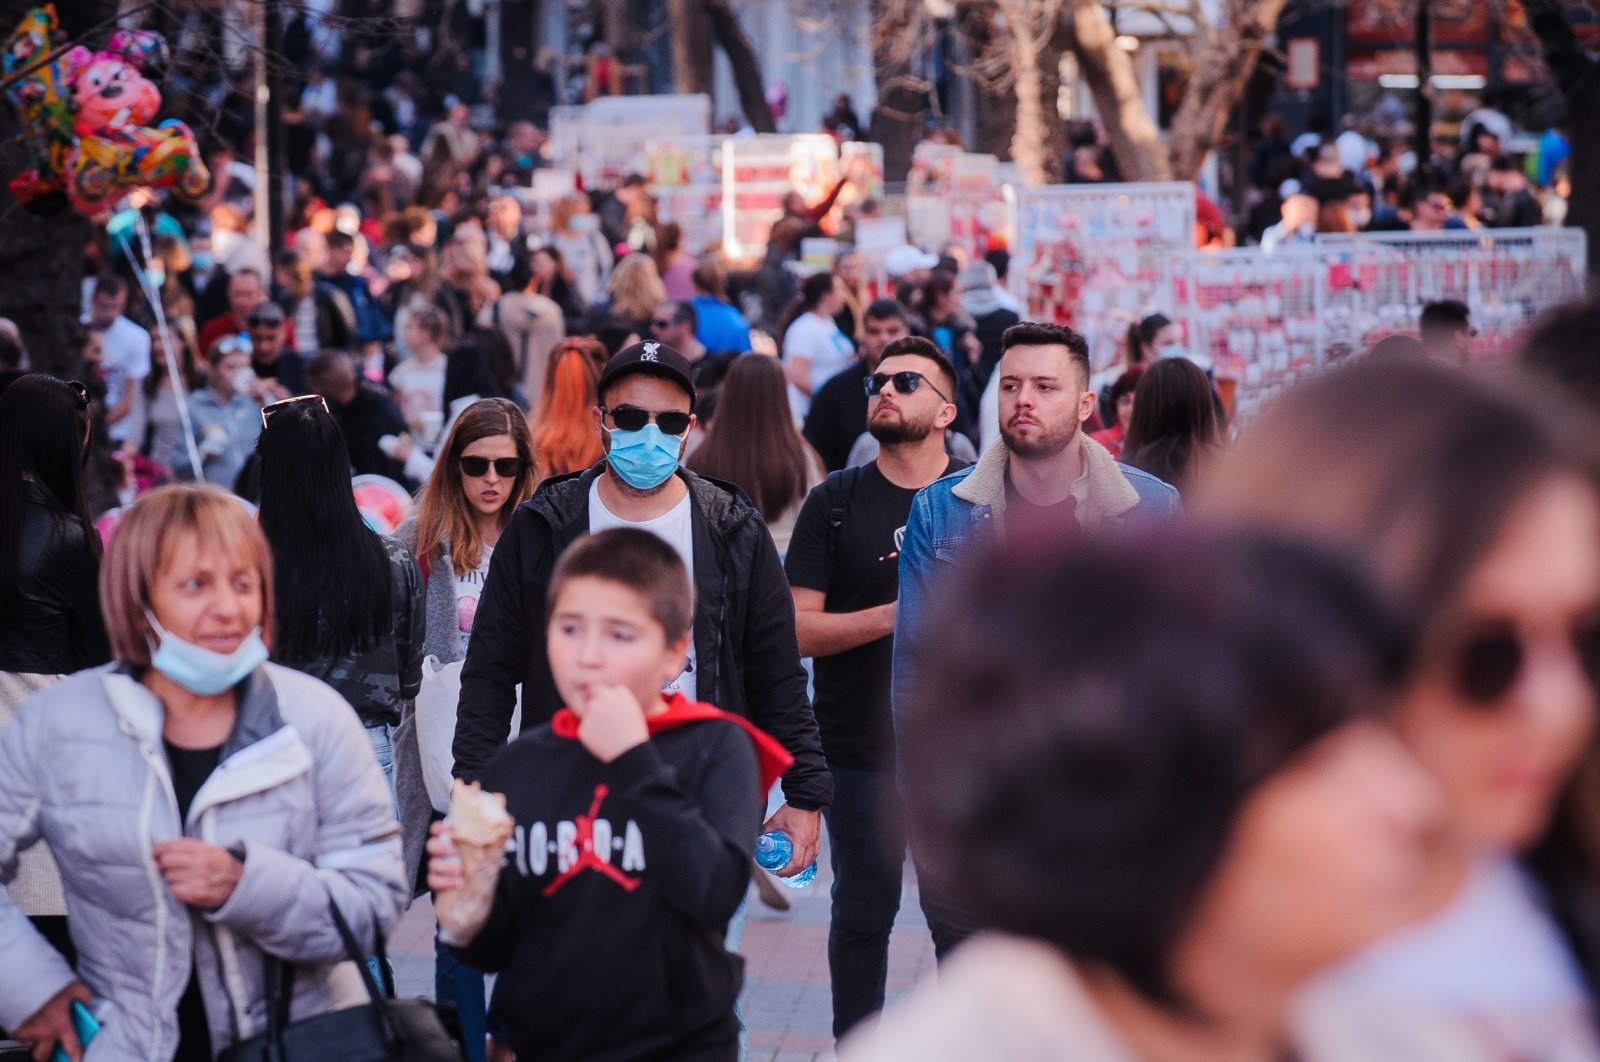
[[174, 377]]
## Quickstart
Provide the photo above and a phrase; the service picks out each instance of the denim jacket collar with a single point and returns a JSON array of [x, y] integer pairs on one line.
[[1110, 494]]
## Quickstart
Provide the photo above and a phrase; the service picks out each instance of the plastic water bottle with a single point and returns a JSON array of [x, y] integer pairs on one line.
[[773, 852]]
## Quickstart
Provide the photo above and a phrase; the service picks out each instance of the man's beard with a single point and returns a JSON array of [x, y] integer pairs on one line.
[[892, 432], [1044, 446]]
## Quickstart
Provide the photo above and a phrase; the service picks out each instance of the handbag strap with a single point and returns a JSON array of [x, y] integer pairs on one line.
[[353, 951]]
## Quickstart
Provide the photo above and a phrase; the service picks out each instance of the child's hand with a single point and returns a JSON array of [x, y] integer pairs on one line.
[[612, 723], [445, 873]]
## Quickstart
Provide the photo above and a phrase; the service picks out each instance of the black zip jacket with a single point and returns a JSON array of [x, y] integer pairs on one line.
[[57, 628], [610, 915], [746, 655]]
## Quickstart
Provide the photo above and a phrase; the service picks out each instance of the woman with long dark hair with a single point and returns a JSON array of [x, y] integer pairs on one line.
[[813, 347], [1477, 498], [50, 622], [485, 469], [350, 608], [753, 444], [564, 439], [1173, 429]]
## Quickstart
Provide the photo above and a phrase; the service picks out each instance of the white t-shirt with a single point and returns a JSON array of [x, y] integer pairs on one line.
[[676, 528], [419, 388], [818, 339], [1491, 969], [125, 363], [469, 587]]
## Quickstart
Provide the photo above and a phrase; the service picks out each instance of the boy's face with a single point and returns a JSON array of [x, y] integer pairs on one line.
[[601, 634]]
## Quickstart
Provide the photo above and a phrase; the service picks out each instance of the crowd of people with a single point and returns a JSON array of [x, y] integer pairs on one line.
[[1205, 740]]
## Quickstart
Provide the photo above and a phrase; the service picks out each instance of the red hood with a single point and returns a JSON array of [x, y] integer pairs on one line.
[[772, 759]]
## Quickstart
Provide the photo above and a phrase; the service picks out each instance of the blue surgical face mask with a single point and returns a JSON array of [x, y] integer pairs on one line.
[[1174, 350], [203, 671], [203, 262], [644, 458]]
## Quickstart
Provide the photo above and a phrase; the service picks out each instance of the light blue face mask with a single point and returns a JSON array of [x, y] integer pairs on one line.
[[203, 671], [644, 458]]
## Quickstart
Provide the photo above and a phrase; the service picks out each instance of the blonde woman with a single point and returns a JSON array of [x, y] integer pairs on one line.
[[635, 290], [204, 806]]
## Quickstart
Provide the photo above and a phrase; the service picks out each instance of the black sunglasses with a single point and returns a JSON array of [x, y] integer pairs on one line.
[[656, 322], [274, 408], [1489, 663], [905, 382], [504, 467], [632, 418]]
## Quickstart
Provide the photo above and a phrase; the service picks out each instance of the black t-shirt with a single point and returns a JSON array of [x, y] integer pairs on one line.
[[838, 415], [846, 544], [190, 769]]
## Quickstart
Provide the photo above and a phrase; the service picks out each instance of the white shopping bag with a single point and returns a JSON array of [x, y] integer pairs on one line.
[[436, 726]]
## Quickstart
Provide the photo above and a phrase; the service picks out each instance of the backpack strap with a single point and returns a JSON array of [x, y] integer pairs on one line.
[[841, 492]]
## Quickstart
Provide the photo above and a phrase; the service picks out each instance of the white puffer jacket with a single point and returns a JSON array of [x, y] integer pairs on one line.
[[83, 767]]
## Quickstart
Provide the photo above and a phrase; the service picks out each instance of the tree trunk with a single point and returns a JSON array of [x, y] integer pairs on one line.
[[1028, 143], [901, 108], [1222, 67], [746, 66], [41, 258], [691, 46], [1578, 78], [1107, 70], [994, 109]]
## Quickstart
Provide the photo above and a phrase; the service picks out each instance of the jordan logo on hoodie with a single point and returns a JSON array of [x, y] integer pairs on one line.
[[587, 844]]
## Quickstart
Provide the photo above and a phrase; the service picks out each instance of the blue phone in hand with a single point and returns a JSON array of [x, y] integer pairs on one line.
[[85, 1024]]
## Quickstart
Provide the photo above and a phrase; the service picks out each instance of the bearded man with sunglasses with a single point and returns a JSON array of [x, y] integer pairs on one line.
[[743, 657], [843, 567], [1042, 473]]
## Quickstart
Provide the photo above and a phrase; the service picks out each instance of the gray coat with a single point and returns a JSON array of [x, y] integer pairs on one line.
[[83, 767], [443, 640]]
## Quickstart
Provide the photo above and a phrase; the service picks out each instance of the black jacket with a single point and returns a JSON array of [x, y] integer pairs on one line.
[[58, 629], [746, 654], [838, 415], [622, 956]]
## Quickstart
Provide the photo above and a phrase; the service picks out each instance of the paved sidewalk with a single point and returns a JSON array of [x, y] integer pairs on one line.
[[786, 1003]]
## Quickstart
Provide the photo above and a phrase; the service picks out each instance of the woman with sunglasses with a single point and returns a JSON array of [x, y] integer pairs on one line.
[[1477, 500], [1167, 813], [349, 600], [485, 470], [50, 623], [753, 444]]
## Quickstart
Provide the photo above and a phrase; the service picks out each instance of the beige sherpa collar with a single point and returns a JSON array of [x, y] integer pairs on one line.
[[1110, 494]]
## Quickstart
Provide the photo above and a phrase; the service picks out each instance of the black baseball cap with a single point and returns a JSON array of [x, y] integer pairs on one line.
[[652, 358]]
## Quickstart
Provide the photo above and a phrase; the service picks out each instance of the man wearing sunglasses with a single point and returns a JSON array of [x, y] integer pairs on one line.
[[674, 324], [843, 567], [1043, 472], [743, 657]]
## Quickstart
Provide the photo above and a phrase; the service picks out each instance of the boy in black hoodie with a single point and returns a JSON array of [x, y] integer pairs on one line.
[[636, 815]]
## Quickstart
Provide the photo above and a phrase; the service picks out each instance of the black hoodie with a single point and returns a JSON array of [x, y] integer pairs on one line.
[[746, 654], [609, 921]]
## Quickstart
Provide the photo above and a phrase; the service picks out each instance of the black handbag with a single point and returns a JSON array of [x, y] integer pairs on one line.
[[381, 1030]]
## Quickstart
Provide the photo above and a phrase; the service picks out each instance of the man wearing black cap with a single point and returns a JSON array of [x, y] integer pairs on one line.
[[744, 656]]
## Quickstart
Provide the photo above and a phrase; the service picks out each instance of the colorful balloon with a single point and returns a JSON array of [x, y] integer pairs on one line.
[[89, 118]]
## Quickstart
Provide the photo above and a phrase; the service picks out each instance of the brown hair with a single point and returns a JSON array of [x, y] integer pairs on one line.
[[444, 515], [148, 538], [638, 560], [752, 442], [565, 439], [1174, 427]]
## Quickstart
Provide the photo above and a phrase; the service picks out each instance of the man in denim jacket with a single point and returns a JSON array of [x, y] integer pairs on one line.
[[1043, 472]]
